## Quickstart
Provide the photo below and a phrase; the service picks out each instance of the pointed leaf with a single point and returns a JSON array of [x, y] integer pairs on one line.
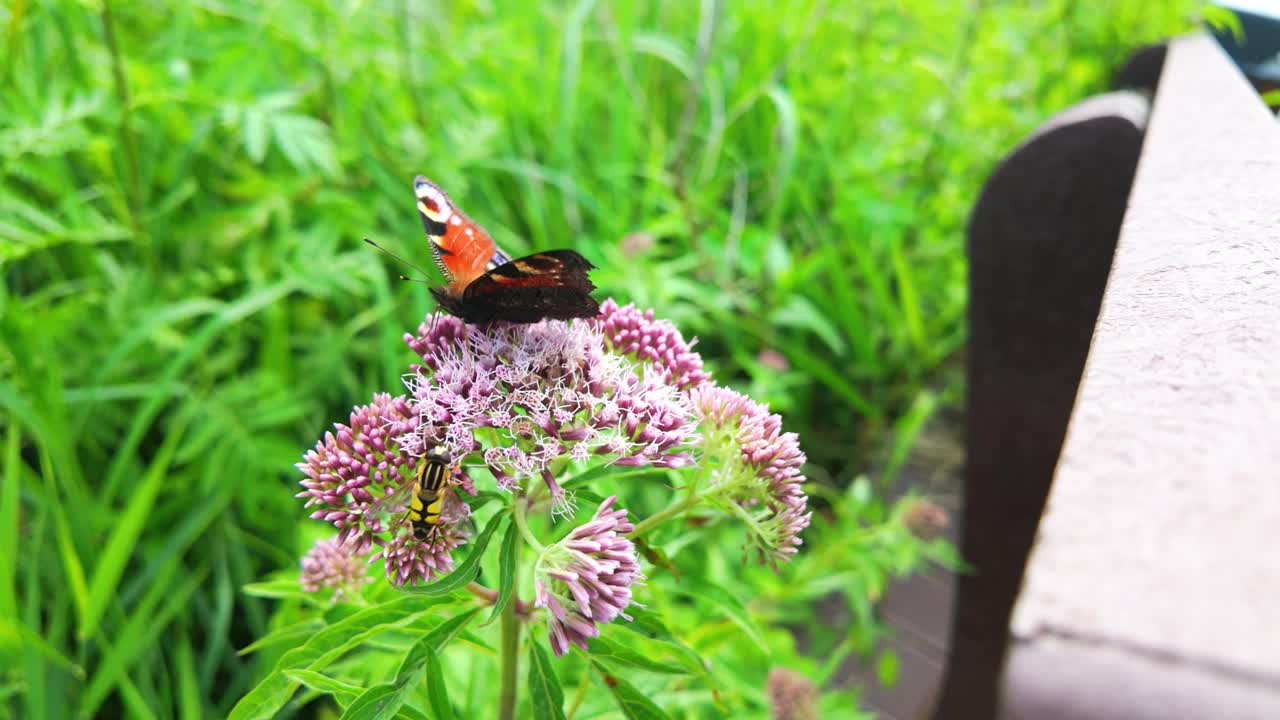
[[437, 691], [379, 701], [296, 631], [545, 694], [616, 653], [343, 693], [732, 608], [266, 699], [633, 703], [506, 572], [468, 570]]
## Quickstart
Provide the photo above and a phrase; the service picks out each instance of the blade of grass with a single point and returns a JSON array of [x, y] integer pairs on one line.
[[71, 564], [195, 347], [190, 704], [120, 545], [138, 635], [9, 524]]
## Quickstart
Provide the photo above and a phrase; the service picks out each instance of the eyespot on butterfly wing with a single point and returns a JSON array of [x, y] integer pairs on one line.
[[463, 251]]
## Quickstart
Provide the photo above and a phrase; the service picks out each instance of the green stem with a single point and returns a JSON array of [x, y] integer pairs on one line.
[[510, 648], [581, 695], [522, 523], [133, 191], [666, 513], [490, 597]]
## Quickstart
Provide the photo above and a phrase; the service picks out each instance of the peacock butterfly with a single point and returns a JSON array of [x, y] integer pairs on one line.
[[483, 284]]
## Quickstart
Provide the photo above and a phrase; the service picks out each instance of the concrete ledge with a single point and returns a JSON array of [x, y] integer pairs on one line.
[[1154, 586], [1059, 677]]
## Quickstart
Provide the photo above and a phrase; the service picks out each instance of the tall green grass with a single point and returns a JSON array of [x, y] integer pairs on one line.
[[183, 188]]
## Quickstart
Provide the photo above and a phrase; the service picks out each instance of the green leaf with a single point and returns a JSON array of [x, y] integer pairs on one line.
[[887, 668], [545, 694], [277, 589], [506, 572], [633, 703], [125, 533], [656, 556], [437, 691], [646, 624], [344, 693], [613, 473], [13, 632], [379, 701], [255, 135], [382, 702], [296, 631], [467, 571], [9, 493], [266, 699], [482, 498], [148, 619], [431, 644], [732, 609], [615, 652], [801, 313]]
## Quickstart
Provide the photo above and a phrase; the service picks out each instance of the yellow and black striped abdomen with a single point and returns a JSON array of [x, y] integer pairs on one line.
[[427, 501], [433, 474]]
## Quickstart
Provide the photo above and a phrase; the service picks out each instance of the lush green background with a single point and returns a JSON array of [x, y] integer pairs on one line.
[[187, 303]]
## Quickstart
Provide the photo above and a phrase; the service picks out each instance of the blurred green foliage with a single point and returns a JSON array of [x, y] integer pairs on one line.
[[186, 302]]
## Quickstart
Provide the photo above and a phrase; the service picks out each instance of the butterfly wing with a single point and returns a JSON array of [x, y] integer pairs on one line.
[[463, 251], [552, 284]]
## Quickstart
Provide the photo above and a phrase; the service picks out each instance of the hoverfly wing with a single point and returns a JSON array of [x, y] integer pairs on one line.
[[390, 508]]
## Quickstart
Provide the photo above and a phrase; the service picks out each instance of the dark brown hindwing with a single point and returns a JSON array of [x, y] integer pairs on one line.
[[553, 268], [552, 284]]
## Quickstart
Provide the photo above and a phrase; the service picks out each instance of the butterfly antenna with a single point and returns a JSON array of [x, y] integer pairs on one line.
[[406, 262]]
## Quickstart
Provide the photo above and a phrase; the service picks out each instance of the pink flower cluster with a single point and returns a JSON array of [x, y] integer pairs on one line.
[[550, 390], [585, 580], [356, 463], [638, 335], [768, 470], [523, 401], [334, 564], [359, 464]]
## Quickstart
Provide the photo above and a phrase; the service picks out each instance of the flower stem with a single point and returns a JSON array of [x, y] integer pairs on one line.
[[510, 648], [490, 597], [518, 512], [581, 695], [665, 514]]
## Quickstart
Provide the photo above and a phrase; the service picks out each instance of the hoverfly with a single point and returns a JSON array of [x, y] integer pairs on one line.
[[423, 499]]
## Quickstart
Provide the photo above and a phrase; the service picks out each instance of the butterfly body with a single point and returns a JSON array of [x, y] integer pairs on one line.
[[484, 285]]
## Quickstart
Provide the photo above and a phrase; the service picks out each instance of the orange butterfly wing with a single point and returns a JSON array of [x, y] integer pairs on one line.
[[462, 249], [484, 284]]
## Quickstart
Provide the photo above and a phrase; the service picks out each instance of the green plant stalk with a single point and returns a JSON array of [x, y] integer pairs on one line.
[[133, 192], [691, 498], [509, 656], [518, 509], [581, 694], [665, 514]]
